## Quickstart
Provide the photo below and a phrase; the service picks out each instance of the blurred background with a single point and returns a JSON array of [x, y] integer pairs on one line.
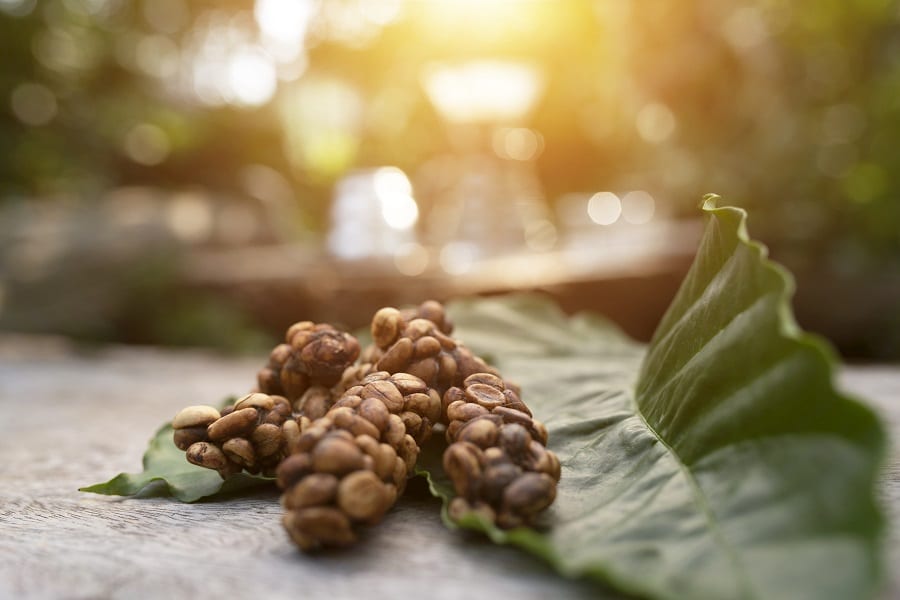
[[189, 172]]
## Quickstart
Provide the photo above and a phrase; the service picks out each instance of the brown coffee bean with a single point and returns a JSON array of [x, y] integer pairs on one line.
[[274, 418], [452, 430], [446, 370], [514, 439], [529, 494], [233, 425], [185, 438], [303, 541], [293, 468], [368, 463], [496, 479], [514, 402], [426, 347], [282, 405], [267, 439], [348, 400], [326, 354], [293, 381], [313, 490], [367, 444], [387, 392], [481, 431], [418, 328], [546, 461], [337, 456], [466, 362], [399, 474], [257, 400], [433, 311], [360, 426], [375, 412], [411, 421], [206, 455], [510, 415], [425, 369], [385, 459], [465, 411], [311, 435], [391, 491], [462, 465], [328, 526], [342, 417], [362, 496], [408, 450], [269, 381], [371, 377], [397, 356], [314, 402], [395, 431], [485, 378], [385, 326], [509, 520], [341, 434], [451, 395], [290, 433], [485, 395], [240, 451], [195, 416], [459, 508], [496, 456], [539, 432], [408, 384], [422, 404], [301, 331], [279, 355]]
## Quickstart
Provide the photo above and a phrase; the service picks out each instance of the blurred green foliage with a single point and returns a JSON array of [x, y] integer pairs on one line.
[[791, 109]]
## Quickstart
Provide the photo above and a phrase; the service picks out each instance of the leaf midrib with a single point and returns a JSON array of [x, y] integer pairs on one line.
[[705, 509]]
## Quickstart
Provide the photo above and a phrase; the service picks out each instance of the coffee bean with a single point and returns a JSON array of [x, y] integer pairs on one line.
[[385, 327], [313, 490], [233, 425], [188, 436], [195, 416], [336, 456], [362, 496]]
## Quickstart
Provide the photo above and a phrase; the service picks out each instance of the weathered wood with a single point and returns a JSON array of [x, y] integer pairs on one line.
[[69, 419]]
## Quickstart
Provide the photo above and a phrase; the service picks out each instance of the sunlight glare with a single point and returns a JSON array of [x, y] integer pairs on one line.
[[284, 25], [251, 77], [483, 90]]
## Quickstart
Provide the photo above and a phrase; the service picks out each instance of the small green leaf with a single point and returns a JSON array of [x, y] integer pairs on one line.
[[167, 472], [721, 463]]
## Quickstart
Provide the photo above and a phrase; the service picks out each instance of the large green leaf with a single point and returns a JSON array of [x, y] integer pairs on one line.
[[720, 464], [166, 472]]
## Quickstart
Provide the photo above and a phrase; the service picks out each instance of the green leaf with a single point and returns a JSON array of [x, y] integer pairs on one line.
[[166, 472], [720, 463]]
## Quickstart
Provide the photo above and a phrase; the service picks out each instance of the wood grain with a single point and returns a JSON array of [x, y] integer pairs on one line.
[[71, 418]]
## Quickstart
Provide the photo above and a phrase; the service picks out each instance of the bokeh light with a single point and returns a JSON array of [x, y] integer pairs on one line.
[[638, 207], [604, 208], [33, 104]]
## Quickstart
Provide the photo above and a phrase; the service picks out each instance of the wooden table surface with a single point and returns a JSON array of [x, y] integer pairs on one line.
[[73, 418]]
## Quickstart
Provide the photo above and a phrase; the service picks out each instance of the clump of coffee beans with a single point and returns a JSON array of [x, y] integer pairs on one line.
[[497, 457], [342, 428]]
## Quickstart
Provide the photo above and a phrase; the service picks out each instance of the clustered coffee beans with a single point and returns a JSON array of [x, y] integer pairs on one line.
[[341, 429]]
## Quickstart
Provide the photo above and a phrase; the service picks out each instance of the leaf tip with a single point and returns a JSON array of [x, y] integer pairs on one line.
[[710, 201]]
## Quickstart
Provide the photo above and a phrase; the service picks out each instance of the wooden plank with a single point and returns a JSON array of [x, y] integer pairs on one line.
[[72, 419]]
